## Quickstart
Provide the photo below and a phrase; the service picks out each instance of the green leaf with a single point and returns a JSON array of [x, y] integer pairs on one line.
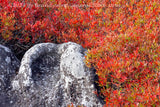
[[6, 23], [100, 10], [141, 105], [130, 99]]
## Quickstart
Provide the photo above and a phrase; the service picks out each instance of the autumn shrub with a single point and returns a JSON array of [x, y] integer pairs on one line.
[[122, 38]]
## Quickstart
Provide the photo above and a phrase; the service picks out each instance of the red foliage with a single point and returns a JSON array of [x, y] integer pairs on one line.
[[123, 38]]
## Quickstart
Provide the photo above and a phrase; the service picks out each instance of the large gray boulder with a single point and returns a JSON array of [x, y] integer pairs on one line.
[[55, 76], [9, 64]]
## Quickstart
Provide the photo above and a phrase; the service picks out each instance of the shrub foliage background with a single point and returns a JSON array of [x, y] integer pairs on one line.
[[122, 36]]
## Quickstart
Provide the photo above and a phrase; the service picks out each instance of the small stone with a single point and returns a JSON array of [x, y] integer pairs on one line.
[[8, 66]]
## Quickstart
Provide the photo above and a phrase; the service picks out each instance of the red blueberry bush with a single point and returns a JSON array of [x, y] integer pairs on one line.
[[122, 38]]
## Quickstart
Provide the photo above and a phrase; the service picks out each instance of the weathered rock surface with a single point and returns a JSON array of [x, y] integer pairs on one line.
[[54, 76], [9, 64]]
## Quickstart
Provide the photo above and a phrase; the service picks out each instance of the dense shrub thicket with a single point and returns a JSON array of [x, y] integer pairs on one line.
[[122, 37]]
